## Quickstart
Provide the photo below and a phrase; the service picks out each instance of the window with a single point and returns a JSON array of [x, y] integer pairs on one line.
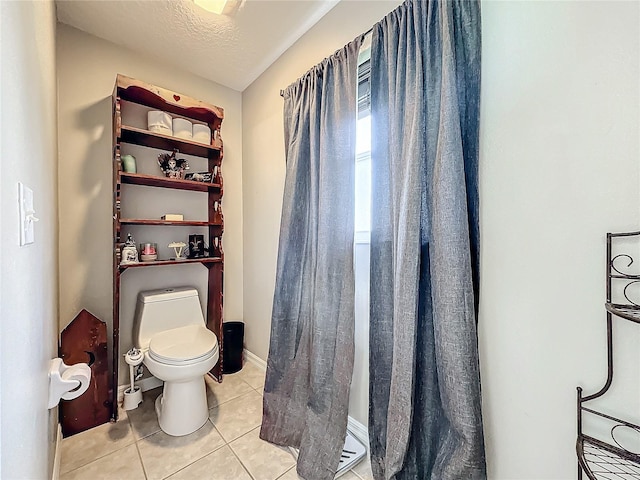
[[360, 382], [363, 152]]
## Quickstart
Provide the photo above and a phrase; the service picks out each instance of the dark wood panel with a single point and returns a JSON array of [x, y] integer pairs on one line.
[[117, 169], [139, 136], [214, 312], [84, 340], [154, 181]]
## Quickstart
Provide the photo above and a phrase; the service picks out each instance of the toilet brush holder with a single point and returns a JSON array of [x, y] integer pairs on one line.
[[133, 394], [132, 398]]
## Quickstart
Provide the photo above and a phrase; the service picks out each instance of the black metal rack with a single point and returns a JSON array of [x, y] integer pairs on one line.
[[609, 459]]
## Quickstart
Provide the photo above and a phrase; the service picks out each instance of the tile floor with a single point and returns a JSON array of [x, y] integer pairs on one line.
[[227, 447]]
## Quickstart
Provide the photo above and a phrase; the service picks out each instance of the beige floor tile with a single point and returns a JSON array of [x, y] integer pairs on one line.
[[163, 455], [85, 447], [238, 416], [219, 465], [121, 464], [232, 386], [253, 375], [263, 460], [363, 469], [292, 475], [349, 476], [144, 420]]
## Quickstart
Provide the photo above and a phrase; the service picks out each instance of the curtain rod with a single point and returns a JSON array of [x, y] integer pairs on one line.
[[362, 34]]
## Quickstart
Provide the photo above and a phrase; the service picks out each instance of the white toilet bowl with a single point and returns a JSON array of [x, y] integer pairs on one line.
[[181, 357], [179, 350]]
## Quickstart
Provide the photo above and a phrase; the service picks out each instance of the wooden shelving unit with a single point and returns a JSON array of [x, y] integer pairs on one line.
[[137, 92]]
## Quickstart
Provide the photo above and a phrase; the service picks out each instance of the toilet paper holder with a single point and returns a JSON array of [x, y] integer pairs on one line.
[[67, 382]]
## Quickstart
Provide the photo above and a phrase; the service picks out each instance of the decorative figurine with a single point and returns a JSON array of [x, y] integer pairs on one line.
[[199, 177], [129, 252], [172, 167], [178, 248]]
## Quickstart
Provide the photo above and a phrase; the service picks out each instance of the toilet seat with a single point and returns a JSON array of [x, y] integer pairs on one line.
[[184, 345]]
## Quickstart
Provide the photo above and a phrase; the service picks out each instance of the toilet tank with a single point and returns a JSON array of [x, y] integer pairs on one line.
[[160, 310]]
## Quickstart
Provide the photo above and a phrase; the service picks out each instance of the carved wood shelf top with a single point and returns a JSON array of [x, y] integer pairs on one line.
[[153, 96]]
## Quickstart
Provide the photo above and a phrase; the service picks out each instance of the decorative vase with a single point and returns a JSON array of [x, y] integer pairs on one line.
[[129, 163]]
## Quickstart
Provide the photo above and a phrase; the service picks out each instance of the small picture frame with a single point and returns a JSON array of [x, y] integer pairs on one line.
[[205, 177], [196, 246]]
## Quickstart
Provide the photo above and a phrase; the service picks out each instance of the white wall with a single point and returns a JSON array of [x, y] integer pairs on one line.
[[559, 168], [264, 169], [87, 68], [28, 274]]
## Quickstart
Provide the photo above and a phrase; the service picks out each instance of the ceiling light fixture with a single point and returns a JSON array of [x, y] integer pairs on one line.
[[220, 7]]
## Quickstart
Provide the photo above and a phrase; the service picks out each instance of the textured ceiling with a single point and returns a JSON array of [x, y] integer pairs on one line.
[[232, 51]]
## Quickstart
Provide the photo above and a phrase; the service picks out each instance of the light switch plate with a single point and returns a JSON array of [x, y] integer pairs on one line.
[[27, 214]]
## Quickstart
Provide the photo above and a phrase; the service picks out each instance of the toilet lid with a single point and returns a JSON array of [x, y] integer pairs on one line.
[[183, 344]]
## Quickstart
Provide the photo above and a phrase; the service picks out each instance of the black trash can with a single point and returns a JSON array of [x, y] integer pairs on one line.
[[233, 339]]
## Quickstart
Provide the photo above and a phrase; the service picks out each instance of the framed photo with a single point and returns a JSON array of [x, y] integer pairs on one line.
[[196, 246]]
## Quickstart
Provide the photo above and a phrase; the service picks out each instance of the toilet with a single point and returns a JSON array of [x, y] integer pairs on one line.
[[178, 349]]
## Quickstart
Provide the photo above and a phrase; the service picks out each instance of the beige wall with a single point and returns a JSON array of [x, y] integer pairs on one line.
[[28, 274], [263, 173], [87, 68]]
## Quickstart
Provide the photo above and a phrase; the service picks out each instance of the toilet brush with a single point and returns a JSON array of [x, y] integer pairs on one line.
[[133, 394]]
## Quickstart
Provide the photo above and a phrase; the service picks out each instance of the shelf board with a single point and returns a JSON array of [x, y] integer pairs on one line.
[[154, 181], [628, 312], [171, 262], [139, 136], [185, 223]]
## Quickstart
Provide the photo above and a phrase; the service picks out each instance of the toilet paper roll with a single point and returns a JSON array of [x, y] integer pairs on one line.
[[201, 134], [80, 372], [182, 128], [159, 122]]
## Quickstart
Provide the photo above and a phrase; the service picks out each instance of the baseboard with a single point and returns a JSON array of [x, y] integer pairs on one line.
[[256, 360], [56, 457], [359, 430], [148, 383]]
